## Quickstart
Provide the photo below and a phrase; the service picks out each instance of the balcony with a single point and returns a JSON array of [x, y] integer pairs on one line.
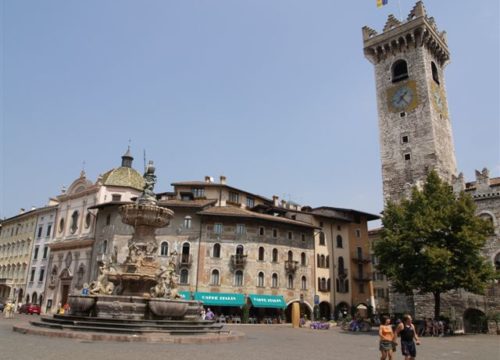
[[364, 277], [362, 259], [238, 261], [185, 260], [342, 273], [291, 266]]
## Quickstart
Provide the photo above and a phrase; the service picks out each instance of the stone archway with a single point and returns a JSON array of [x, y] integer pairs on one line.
[[324, 310], [305, 309], [474, 321], [342, 310]]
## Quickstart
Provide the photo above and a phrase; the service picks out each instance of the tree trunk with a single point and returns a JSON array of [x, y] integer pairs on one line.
[[437, 304]]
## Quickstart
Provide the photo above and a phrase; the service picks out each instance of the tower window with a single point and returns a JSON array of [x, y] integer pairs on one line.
[[399, 71], [404, 139], [407, 157], [435, 75]]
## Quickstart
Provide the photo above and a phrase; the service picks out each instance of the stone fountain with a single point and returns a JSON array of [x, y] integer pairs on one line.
[[137, 296]]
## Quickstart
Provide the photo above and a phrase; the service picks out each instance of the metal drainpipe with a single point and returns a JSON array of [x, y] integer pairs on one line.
[[334, 279], [199, 252]]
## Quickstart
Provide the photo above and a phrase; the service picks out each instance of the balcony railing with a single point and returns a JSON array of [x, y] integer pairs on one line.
[[185, 260], [363, 277], [238, 261], [362, 259], [291, 266]]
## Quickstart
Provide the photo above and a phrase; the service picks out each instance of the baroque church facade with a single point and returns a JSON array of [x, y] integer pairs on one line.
[[415, 135]]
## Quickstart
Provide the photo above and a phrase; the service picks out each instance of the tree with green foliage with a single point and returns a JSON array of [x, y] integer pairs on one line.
[[432, 242]]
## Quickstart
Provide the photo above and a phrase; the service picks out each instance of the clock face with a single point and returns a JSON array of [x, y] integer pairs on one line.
[[402, 98]]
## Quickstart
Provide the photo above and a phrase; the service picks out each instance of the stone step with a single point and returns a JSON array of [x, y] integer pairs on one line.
[[131, 323], [132, 326], [124, 330]]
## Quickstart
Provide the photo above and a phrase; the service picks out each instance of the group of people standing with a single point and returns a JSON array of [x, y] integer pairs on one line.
[[389, 338]]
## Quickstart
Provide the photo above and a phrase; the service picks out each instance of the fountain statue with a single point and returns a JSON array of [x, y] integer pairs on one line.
[[139, 288]]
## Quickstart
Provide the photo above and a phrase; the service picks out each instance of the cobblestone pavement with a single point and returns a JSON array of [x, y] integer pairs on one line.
[[262, 343]]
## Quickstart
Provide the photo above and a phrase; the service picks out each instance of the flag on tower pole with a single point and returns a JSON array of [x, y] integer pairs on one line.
[[381, 3]]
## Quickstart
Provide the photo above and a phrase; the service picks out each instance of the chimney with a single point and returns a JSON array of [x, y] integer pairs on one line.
[[222, 180], [21, 211], [208, 179], [283, 204], [276, 200]]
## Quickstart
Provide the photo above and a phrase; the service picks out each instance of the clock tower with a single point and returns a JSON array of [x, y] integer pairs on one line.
[[414, 124]]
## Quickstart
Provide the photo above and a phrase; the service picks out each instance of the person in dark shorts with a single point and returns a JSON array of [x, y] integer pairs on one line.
[[409, 338]]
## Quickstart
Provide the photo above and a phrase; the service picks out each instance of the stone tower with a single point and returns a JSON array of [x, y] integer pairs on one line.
[[414, 123]]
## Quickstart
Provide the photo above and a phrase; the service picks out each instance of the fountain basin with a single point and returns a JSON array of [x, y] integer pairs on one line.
[[168, 308], [81, 304], [145, 215]]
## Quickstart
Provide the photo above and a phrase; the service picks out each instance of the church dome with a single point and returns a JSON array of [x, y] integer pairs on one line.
[[123, 176]]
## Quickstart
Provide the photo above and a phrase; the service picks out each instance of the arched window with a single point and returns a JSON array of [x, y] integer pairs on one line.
[[322, 261], [327, 262], [322, 238], [187, 222], [303, 283], [290, 281], [322, 285], [275, 255], [399, 71], [303, 259], [239, 250], [184, 276], [341, 265], [274, 281], [61, 225], [238, 278], [435, 74], [88, 220], [164, 249], [290, 255], [214, 279], [261, 253], [339, 241], [34, 298], [105, 247], [216, 251], [260, 279], [74, 222]]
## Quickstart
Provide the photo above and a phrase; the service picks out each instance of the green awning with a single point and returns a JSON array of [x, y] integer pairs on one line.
[[185, 295], [220, 299], [268, 301]]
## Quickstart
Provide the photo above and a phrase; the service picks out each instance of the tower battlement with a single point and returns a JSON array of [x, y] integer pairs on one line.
[[418, 30]]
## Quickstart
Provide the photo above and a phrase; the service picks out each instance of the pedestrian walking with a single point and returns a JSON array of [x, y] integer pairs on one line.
[[409, 338], [386, 338]]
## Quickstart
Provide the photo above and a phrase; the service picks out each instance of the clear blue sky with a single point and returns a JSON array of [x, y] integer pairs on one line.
[[276, 95]]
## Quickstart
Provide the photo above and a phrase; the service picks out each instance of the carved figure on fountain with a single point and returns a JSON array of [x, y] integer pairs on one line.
[[102, 285]]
